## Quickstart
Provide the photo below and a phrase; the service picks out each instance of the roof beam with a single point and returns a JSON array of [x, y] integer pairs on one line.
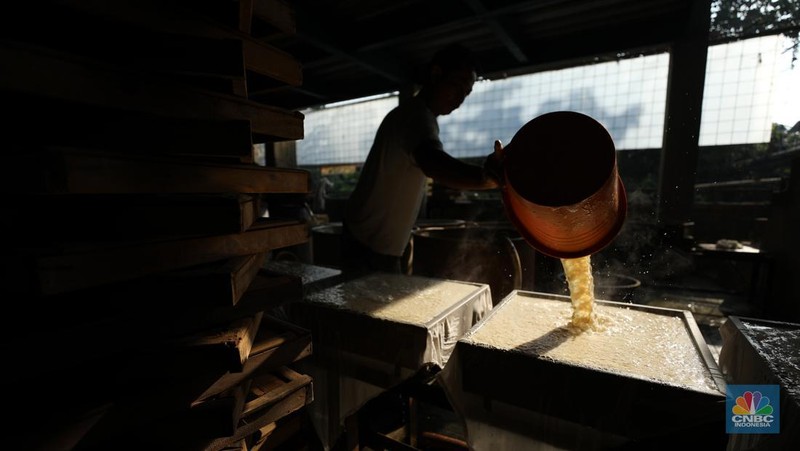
[[494, 24], [313, 32], [457, 24]]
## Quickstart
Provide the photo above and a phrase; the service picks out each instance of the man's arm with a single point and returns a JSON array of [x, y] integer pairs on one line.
[[449, 171]]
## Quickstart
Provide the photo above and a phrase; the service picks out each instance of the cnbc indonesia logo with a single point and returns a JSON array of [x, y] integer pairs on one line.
[[752, 411]]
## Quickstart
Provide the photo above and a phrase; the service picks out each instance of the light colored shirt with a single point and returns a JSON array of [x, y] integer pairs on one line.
[[386, 201]]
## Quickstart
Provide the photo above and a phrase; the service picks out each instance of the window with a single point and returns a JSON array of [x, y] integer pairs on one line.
[[750, 85], [745, 93], [342, 134]]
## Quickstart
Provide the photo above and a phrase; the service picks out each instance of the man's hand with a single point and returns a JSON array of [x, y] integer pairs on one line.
[[493, 165]]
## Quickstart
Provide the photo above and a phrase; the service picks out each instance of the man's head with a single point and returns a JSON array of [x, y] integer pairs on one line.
[[453, 71]]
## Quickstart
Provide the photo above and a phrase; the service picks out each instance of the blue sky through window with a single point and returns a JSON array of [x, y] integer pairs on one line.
[[749, 85]]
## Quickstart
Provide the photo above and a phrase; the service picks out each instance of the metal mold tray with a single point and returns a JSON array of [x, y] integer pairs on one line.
[[500, 386], [365, 343], [759, 351], [356, 316], [770, 352]]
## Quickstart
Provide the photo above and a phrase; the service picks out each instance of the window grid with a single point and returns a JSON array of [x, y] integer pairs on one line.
[[628, 97], [739, 92], [341, 134]]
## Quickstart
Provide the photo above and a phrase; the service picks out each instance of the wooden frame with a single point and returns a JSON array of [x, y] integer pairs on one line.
[[51, 122], [95, 265], [294, 391], [48, 73], [127, 217], [89, 172], [277, 343], [258, 57]]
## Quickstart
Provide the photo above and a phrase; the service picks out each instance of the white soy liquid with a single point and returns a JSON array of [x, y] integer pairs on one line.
[[631, 342], [408, 299]]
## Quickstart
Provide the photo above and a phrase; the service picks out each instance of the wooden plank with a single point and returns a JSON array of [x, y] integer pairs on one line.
[[277, 13], [295, 394], [234, 274], [280, 409], [142, 422], [131, 354], [315, 278], [130, 217], [160, 436], [217, 417], [47, 73], [275, 434], [90, 172], [185, 305], [184, 358], [121, 364], [190, 56], [277, 344], [241, 445], [245, 15], [72, 338], [243, 272], [203, 290], [172, 18], [97, 264], [160, 413], [69, 124], [265, 60], [234, 341], [128, 44], [266, 291], [157, 385], [268, 389]]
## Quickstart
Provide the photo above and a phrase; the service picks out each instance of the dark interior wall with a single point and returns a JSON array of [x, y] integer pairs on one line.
[[782, 242]]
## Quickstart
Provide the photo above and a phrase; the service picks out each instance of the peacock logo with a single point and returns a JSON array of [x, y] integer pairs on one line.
[[752, 403], [753, 409]]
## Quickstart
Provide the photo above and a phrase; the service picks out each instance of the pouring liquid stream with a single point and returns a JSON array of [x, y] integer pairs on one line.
[[578, 272]]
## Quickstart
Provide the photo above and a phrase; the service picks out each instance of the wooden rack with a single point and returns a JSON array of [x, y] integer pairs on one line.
[[137, 225]]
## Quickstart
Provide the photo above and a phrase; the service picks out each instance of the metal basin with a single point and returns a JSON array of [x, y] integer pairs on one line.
[[471, 254]]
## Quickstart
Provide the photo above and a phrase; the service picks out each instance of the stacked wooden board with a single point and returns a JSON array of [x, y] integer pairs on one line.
[[137, 222]]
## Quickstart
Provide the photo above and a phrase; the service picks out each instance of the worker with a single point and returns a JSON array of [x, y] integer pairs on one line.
[[406, 150]]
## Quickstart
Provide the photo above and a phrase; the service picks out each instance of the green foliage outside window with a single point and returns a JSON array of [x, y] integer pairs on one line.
[[741, 19]]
